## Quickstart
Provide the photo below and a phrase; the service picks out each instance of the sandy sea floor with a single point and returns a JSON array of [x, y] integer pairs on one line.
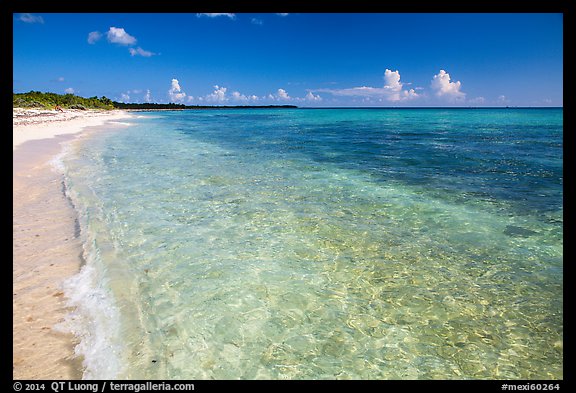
[[46, 248]]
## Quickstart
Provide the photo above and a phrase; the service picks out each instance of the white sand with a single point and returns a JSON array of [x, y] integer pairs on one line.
[[45, 248], [33, 124]]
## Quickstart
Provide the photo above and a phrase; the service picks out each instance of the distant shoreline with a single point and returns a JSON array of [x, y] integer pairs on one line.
[[431, 107], [209, 108], [340, 107], [177, 107]]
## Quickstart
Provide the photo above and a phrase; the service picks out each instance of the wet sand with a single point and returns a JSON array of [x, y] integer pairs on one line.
[[46, 250]]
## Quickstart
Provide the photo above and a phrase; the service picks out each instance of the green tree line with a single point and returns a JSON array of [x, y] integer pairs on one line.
[[37, 99]]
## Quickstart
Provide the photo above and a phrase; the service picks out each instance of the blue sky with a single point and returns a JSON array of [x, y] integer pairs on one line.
[[342, 59]]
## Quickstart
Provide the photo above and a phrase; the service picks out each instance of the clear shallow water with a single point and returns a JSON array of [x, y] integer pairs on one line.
[[308, 244]]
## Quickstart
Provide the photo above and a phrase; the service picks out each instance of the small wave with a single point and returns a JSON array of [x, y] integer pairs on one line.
[[56, 162], [122, 123], [95, 319]]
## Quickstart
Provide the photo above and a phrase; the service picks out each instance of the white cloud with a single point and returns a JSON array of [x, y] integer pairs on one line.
[[214, 15], [124, 97], [118, 35], [140, 52], [219, 94], [148, 96], [29, 18], [94, 36], [60, 79], [282, 95], [282, 14], [392, 80], [312, 97], [409, 95], [256, 21], [394, 86], [502, 100], [445, 88], [237, 96], [391, 91], [69, 91], [175, 92]]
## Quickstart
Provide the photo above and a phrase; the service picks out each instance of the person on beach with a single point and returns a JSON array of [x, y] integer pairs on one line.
[[58, 108]]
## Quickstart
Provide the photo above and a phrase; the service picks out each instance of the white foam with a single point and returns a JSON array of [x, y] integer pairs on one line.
[[122, 123], [95, 321], [57, 162]]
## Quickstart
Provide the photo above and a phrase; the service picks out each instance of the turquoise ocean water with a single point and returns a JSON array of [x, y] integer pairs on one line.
[[321, 244]]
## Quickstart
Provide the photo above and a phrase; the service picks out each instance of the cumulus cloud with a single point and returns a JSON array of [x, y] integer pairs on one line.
[[256, 21], [175, 93], [221, 95], [394, 86], [147, 96], [93, 37], [444, 87], [391, 91], [282, 14], [214, 15], [60, 79], [118, 35], [237, 96], [282, 95], [29, 18], [409, 95], [69, 91], [312, 97], [218, 95], [140, 52], [392, 80], [124, 97]]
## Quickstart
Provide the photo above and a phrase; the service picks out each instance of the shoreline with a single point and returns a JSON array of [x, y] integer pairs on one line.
[[34, 124], [46, 247]]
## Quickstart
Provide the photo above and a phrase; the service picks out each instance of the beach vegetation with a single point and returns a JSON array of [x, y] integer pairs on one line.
[[40, 100]]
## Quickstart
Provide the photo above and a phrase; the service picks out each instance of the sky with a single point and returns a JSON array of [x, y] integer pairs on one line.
[[304, 59]]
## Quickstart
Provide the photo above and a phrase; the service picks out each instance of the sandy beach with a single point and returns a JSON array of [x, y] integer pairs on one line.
[[46, 249]]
